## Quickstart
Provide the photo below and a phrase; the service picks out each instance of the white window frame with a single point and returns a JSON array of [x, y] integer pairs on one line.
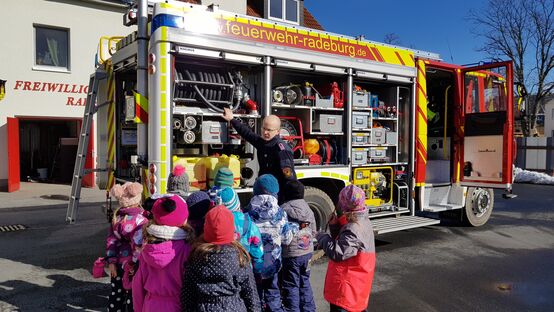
[[284, 12], [50, 68]]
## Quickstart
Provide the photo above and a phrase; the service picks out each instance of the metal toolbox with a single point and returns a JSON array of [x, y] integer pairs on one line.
[[214, 132], [378, 136], [360, 120], [360, 138], [359, 156], [378, 154], [391, 137], [328, 123], [326, 102], [360, 99]]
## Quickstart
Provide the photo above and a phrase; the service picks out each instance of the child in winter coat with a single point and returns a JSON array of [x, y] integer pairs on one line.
[[218, 276], [198, 203], [276, 231], [124, 242], [158, 281], [295, 275], [246, 232], [351, 252]]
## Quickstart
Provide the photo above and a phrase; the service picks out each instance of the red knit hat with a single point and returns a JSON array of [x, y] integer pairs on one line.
[[219, 226]]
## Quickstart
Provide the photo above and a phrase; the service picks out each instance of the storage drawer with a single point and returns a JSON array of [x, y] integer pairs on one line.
[[378, 154], [360, 99], [378, 136], [328, 123], [360, 120], [214, 132], [391, 137], [359, 156], [360, 138]]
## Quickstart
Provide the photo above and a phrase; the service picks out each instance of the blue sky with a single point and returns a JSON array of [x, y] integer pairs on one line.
[[430, 25]]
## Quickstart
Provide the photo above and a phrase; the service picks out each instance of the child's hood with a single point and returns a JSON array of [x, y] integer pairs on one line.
[[132, 211], [160, 255], [298, 209], [264, 208]]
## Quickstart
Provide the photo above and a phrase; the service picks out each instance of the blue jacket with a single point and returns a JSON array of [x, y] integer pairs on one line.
[[275, 229], [248, 234]]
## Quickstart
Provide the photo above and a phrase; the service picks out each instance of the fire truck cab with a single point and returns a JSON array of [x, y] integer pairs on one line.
[[416, 134]]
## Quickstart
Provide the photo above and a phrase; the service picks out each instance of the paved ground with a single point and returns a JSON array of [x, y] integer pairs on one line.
[[503, 266]]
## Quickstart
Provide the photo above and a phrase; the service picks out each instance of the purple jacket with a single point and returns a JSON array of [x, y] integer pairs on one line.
[[125, 236], [157, 283]]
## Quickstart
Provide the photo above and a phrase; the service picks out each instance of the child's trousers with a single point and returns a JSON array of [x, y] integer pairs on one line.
[[297, 291], [119, 298], [270, 295]]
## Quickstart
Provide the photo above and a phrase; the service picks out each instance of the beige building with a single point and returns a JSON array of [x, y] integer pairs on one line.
[[47, 53]]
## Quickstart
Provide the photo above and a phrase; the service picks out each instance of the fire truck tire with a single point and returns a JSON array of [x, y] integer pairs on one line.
[[478, 207], [321, 204]]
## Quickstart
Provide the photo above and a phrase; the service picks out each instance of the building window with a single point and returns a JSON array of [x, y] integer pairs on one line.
[[285, 10], [51, 47]]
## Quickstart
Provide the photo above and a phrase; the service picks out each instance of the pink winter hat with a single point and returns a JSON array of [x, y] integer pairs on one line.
[[128, 194], [170, 210], [352, 198]]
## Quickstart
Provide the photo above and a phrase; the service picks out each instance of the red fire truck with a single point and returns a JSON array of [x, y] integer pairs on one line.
[[417, 134]]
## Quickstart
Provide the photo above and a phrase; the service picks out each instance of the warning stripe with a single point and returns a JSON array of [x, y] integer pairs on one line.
[[142, 115], [421, 114], [141, 108], [399, 57], [421, 123], [377, 54], [111, 126], [421, 90]]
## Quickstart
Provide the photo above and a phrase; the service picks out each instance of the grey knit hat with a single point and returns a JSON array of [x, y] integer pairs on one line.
[[178, 181]]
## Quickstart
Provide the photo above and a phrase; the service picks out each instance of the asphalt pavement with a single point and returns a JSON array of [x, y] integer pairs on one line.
[[506, 265]]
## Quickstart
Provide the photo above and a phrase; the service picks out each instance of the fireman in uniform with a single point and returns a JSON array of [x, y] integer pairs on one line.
[[274, 155]]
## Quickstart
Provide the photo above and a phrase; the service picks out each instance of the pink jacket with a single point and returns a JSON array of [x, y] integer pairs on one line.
[[157, 283]]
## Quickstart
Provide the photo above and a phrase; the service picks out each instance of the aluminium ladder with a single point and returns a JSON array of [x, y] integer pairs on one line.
[[84, 136]]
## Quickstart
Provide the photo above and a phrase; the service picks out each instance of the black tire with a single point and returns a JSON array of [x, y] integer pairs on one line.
[[479, 205], [321, 204]]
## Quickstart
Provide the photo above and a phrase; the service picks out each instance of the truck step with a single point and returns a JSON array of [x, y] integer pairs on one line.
[[387, 225], [445, 207]]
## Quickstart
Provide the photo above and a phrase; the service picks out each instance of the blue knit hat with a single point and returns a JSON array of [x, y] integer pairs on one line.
[[198, 204], [230, 199], [224, 177], [266, 184]]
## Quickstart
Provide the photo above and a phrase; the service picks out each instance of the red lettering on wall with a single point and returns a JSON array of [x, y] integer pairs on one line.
[[36, 86], [53, 87]]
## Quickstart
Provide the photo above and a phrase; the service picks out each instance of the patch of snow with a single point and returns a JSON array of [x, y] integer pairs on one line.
[[526, 176]]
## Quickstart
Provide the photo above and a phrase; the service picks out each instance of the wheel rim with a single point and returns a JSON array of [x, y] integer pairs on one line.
[[481, 200]]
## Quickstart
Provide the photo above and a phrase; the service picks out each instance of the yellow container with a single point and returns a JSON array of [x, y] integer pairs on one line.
[[233, 163], [211, 163], [196, 171], [215, 162]]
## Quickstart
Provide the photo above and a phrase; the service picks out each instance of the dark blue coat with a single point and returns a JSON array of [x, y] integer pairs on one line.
[[218, 283]]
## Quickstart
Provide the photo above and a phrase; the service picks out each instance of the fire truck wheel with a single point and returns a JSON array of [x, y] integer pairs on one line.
[[321, 204], [478, 207]]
